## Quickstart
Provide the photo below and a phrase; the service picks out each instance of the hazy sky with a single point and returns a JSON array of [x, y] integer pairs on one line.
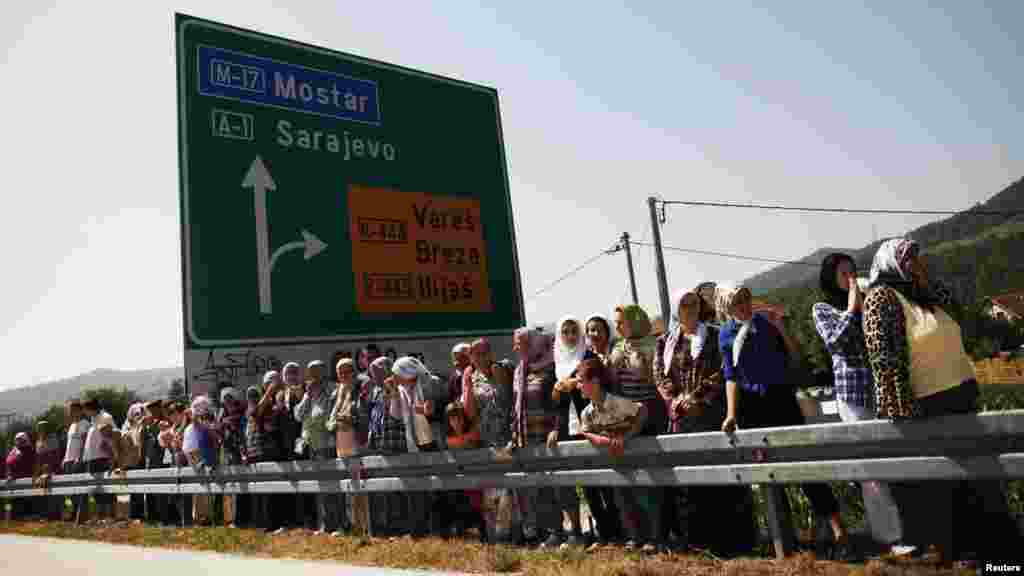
[[890, 105]]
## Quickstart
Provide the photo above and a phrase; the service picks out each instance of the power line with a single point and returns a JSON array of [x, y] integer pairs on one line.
[[846, 210], [734, 256], [572, 272]]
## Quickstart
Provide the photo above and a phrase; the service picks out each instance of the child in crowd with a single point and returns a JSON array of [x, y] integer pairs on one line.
[[607, 422], [231, 427], [344, 421], [78, 428], [99, 453], [261, 446], [153, 454], [463, 508], [200, 447], [21, 463]]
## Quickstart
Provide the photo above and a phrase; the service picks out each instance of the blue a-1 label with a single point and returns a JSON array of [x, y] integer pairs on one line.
[[247, 78]]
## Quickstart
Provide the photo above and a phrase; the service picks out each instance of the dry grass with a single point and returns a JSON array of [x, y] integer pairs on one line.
[[455, 555]]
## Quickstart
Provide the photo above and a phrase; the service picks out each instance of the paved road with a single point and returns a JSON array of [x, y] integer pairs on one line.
[[44, 556]]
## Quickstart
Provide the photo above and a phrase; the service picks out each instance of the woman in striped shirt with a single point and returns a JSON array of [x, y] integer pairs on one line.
[[534, 419], [631, 364]]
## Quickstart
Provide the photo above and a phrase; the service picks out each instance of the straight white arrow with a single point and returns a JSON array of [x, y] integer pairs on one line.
[[258, 178]]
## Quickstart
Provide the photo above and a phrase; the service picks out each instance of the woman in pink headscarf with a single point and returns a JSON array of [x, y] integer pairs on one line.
[[487, 401], [688, 371], [535, 417], [21, 463]]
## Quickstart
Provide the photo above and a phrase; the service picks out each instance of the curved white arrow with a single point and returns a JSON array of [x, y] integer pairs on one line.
[[309, 242]]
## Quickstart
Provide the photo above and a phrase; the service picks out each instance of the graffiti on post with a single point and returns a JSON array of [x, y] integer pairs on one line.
[[239, 368]]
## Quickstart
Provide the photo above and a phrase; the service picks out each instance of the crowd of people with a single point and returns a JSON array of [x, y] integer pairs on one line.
[[897, 354]]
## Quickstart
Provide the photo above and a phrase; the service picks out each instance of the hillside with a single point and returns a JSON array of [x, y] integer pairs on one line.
[[32, 400], [789, 274]]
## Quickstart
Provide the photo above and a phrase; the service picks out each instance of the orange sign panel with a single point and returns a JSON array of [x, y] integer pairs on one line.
[[416, 252]]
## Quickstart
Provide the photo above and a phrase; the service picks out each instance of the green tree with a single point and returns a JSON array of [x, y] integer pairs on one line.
[[114, 401]]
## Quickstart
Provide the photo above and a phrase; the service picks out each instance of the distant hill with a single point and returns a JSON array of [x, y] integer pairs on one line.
[[32, 400], [789, 274]]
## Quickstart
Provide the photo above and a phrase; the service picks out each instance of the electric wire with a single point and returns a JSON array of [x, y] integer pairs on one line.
[[734, 256], [971, 211]]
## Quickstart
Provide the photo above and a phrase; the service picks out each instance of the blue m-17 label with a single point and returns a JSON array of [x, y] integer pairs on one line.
[[247, 78]]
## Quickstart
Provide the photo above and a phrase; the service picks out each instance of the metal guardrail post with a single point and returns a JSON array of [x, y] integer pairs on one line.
[[780, 519]]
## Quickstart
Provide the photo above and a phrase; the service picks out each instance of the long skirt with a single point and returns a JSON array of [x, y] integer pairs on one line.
[[356, 507], [328, 505], [962, 516], [389, 511], [541, 513], [718, 518], [502, 516], [604, 513], [780, 408]]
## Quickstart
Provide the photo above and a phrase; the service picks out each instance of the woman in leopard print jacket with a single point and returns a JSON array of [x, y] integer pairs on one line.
[[921, 370]]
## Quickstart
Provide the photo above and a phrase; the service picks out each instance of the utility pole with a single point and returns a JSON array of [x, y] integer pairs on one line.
[[629, 262], [659, 255]]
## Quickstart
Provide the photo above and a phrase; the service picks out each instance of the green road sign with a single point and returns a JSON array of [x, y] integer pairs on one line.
[[327, 197]]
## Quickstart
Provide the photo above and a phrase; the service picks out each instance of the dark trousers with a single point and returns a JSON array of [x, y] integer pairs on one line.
[[604, 512], [388, 514], [137, 505], [259, 511], [79, 502], [777, 409], [239, 510], [20, 508], [641, 509], [156, 505], [716, 518], [183, 504], [455, 513], [104, 502]]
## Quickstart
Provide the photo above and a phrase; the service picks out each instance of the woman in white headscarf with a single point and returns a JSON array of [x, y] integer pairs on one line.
[[131, 454], [921, 370], [411, 377], [756, 355], [569, 349]]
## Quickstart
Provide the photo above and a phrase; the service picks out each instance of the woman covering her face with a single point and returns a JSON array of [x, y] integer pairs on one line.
[[921, 370], [410, 377], [839, 322]]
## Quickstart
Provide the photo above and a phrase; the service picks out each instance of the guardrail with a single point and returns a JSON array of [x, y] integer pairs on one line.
[[989, 446]]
